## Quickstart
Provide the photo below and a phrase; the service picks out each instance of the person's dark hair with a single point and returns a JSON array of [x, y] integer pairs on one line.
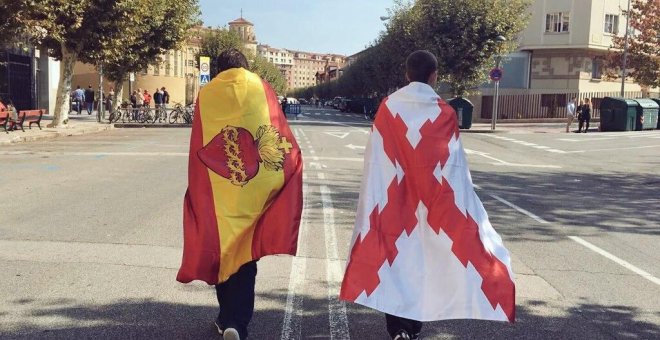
[[420, 65], [229, 59]]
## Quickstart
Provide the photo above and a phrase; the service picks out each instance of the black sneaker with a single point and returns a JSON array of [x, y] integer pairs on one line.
[[401, 335]]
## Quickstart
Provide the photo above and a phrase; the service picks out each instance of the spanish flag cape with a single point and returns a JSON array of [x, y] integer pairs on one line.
[[244, 198], [423, 247]]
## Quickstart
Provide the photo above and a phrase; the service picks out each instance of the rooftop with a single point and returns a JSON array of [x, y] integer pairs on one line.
[[241, 21]]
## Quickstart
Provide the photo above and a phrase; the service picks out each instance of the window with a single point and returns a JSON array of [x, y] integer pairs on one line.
[[557, 22], [612, 23], [597, 68]]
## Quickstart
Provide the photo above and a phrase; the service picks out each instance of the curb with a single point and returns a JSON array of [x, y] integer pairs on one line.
[[150, 126], [55, 134]]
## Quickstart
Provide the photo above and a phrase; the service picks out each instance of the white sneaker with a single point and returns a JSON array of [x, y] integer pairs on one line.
[[230, 334]]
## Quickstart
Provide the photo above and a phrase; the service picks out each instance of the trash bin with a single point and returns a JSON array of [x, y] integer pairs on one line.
[[657, 100], [647, 114], [618, 114], [464, 109]]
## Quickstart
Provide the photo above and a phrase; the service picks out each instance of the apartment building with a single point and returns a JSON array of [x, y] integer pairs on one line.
[[564, 47], [282, 58]]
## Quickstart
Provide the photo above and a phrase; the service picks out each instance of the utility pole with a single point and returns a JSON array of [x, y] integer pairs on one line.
[[625, 53]]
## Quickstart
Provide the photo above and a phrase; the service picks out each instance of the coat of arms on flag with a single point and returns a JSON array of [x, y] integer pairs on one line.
[[423, 247]]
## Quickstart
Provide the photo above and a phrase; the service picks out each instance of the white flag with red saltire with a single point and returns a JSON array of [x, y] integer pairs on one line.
[[423, 247]]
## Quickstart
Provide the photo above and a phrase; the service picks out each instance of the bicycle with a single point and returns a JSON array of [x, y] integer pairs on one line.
[[185, 113], [160, 114]]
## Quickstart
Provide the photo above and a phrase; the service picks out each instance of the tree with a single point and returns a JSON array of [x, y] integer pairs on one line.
[[71, 31], [462, 37], [220, 39], [643, 59], [164, 26]]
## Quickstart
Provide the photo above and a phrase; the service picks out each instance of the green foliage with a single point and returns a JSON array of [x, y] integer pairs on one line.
[[215, 41], [643, 59], [269, 72], [159, 27], [463, 37]]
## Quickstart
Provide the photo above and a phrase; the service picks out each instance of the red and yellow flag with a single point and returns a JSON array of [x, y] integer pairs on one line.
[[244, 198]]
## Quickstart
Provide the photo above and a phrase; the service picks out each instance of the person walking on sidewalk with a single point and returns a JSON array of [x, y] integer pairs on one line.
[[571, 109], [423, 248], [586, 113], [78, 98], [89, 100], [244, 198]]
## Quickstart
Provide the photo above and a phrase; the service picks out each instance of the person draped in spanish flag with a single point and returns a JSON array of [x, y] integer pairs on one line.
[[423, 248], [244, 198]]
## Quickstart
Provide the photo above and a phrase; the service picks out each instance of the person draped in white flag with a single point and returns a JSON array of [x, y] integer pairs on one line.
[[423, 248]]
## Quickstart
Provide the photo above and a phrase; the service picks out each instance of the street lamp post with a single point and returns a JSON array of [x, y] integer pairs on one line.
[[498, 60], [625, 52]]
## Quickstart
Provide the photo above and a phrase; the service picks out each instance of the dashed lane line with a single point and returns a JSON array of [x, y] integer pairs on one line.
[[337, 308]]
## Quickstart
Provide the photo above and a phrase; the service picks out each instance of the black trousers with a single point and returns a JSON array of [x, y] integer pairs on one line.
[[395, 324], [236, 299]]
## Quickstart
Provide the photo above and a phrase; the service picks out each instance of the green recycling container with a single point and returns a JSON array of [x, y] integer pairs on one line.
[[464, 109], [618, 114], [657, 100], [647, 114]]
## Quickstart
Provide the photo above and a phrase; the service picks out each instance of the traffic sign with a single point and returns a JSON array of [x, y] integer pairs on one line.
[[496, 74], [204, 70]]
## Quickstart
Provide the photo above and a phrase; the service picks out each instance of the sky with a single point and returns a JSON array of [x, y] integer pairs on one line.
[[322, 26]]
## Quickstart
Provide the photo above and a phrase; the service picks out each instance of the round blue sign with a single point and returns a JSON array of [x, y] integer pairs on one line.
[[496, 74]]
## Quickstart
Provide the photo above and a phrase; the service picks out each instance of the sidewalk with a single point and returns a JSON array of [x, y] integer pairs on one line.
[[522, 128], [77, 126]]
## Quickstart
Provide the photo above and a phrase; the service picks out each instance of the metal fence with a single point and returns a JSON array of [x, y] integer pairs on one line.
[[550, 105]]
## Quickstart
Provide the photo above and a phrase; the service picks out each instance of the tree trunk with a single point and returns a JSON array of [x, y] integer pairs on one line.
[[63, 101], [119, 93]]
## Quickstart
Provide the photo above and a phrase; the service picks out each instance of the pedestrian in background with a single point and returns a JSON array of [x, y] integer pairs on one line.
[[285, 104], [166, 97], [586, 114], [158, 98], [134, 99], [89, 99], [139, 98], [78, 98], [147, 98], [580, 117], [571, 109]]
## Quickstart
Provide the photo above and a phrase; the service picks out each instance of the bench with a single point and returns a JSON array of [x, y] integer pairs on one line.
[[30, 116], [4, 119]]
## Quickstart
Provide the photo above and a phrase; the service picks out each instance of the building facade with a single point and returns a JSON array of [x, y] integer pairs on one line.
[[245, 31], [565, 45], [282, 58]]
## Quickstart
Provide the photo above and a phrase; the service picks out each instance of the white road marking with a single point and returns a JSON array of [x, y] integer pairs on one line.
[[75, 153], [614, 149], [292, 324], [340, 135], [536, 146], [321, 175], [336, 307], [617, 260], [355, 147], [302, 132], [346, 159], [505, 163], [519, 209]]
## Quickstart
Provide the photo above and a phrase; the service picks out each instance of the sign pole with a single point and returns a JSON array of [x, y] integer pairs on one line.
[[496, 75]]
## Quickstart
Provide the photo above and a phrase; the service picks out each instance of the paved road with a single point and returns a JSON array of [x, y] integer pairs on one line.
[[90, 237]]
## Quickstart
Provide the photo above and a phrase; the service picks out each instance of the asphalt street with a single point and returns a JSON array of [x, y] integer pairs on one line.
[[90, 237]]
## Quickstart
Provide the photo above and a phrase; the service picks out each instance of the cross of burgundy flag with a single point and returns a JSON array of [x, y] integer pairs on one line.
[[423, 247]]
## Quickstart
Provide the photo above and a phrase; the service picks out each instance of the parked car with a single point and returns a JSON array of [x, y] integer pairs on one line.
[[344, 105]]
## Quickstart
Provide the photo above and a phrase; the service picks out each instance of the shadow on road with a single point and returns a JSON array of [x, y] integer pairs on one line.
[[614, 202], [149, 319]]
